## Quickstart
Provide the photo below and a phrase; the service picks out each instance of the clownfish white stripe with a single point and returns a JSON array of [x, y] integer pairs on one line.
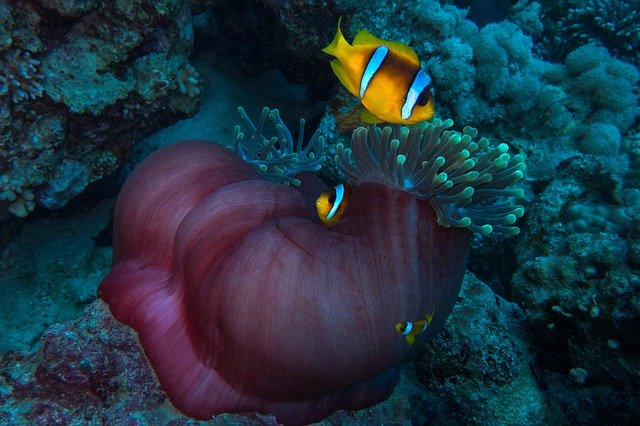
[[421, 81], [373, 66], [409, 328], [337, 202]]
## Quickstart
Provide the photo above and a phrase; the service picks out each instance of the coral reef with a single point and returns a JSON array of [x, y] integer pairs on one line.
[[188, 81], [614, 24], [601, 88], [82, 81], [569, 24], [593, 218], [79, 83], [480, 365], [578, 278], [88, 371]]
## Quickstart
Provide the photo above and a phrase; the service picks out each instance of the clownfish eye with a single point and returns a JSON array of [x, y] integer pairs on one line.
[[423, 98]]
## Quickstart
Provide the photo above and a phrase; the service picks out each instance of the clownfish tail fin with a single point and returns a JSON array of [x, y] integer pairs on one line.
[[429, 317], [338, 44]]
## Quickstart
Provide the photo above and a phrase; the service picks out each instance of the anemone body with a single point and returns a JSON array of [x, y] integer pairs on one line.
[[243, 301]]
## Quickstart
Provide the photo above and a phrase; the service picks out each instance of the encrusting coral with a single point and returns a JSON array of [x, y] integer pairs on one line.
[[82, 92]]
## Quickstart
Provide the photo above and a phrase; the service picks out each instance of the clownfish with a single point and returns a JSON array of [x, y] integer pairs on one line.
[[411, 329], [331, 204], [385, 76]]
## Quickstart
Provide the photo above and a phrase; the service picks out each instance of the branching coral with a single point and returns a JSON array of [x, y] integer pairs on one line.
[[188, 81], [20, 76], [465, 182], [569, 24], [278, 158], [13, 190], [614, 24]]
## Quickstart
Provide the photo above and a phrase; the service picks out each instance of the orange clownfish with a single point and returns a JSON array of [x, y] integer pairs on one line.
[[411, 329], [385, 76], [331, 204]]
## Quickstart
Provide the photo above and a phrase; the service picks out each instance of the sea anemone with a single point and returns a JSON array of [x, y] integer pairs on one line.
[[277, 158], [466, 182], [245, 301]]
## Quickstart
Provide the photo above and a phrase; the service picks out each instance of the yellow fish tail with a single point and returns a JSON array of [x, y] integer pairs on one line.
[[429, 317], [341, 49], [339, 43]]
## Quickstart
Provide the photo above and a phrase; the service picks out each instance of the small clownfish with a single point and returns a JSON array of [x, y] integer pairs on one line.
[[385, 76], [331, 204], [411, 329]]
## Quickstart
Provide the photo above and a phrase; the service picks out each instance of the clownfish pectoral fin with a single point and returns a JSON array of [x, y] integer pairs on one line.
[[410, 339], [368, 117], [364, 37], [342, 76]]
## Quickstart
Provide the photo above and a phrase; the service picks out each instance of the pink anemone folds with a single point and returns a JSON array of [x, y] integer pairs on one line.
[[244, 301]]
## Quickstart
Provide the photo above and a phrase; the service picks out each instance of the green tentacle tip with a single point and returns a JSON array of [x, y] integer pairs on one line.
[[277, 157], [485, 229], [468, 183]]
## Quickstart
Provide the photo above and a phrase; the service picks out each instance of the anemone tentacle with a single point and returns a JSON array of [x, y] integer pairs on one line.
[[468, 183], [278, 158]]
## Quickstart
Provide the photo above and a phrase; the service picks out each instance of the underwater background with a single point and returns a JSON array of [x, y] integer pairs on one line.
[[545, 329]]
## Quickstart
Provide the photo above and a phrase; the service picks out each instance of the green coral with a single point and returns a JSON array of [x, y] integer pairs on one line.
[[614, 24]]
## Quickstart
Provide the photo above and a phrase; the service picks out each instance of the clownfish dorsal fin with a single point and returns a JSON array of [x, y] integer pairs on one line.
[[364, 37], [342, 76], [368, 117]]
